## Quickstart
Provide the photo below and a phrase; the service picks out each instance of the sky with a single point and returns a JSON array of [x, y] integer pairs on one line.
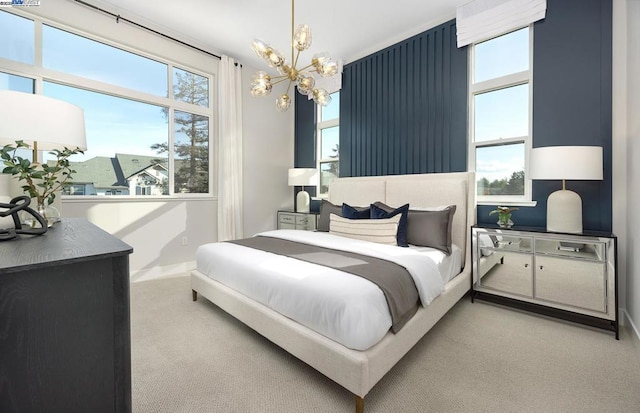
[[113, 124]]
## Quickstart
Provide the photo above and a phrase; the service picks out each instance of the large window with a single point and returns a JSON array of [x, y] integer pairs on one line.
[[148, 120], [500, 117], [328, 152]]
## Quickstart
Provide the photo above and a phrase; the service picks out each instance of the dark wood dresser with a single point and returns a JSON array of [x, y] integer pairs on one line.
[[65, 340]]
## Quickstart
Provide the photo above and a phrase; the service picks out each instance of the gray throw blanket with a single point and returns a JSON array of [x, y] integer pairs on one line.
[[394, 280]]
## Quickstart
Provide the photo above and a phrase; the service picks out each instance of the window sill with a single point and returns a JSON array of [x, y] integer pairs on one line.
[[509, 203], [128, 198]]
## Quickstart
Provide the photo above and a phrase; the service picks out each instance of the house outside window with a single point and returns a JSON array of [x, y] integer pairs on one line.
[[136, 106], [500, 102], [328, 139]]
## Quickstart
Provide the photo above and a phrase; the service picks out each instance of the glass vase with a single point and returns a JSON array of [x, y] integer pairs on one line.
[[505, 221], [49, 213]]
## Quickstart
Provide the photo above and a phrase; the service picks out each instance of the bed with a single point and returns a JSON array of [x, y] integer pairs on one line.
[[359, 370]]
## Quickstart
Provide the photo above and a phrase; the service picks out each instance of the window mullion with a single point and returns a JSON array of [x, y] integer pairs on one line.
[[500, 82]]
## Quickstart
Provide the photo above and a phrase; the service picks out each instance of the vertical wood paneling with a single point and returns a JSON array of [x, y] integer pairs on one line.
[[402, 103]]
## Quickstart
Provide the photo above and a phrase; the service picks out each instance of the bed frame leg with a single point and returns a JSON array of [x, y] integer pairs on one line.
[[359, 404], [194, 295]]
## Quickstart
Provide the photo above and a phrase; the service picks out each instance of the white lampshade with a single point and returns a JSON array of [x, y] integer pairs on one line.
[[52, 123], [564, 207], [303, 176], [567, 162]]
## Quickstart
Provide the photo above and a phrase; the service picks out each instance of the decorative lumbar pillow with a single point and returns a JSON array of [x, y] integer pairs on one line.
[[351, 212], [431, 228], [380, 210], [382, 231], [327, 208]]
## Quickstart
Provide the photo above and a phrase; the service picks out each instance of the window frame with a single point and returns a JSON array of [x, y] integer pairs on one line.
[[40, 74], [491, 85], [320, 126]]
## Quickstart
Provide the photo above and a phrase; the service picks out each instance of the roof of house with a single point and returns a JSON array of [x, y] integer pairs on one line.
[[107, 172]]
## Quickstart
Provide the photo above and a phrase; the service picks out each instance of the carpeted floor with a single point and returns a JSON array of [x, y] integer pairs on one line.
[[192, 357]]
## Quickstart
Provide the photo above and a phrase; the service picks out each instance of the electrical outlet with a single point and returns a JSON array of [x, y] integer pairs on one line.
[[185, 241]]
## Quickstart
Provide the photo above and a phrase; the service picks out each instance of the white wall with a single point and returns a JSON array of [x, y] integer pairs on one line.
[[156, 228], [268, 153], [633, 155]]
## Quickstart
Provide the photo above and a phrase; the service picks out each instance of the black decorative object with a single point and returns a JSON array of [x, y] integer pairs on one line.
[[17, 204]]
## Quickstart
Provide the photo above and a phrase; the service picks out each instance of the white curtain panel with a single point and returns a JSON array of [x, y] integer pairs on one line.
[[230, 211], [480, 20]]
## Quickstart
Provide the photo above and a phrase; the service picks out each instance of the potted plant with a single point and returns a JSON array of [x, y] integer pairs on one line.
[[42, 180], [504, 216]]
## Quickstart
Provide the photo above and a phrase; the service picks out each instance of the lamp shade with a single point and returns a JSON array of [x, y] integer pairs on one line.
[[302, 176], [567, 162], [52, 123]]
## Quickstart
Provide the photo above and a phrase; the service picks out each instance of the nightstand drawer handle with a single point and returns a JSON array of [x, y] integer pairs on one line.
[[542, 267], [526, 266]]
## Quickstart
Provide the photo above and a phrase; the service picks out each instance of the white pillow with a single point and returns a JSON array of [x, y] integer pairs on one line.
[[382, 231]]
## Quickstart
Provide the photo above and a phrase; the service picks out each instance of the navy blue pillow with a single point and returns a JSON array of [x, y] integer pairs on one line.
[[380, 211], [355, 212]]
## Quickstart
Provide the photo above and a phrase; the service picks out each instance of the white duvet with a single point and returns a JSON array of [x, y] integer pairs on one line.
[[341, 306]]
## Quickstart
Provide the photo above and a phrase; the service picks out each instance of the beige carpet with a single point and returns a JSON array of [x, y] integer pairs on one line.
[[193, 357]]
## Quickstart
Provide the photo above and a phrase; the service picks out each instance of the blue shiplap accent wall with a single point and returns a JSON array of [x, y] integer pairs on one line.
[[403, 110], [572, 87]]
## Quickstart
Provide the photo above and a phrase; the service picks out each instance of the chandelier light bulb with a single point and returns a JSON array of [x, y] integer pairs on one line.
[[260, 47], [283, 102], [274, 58], [260, 76], [260, 84], [302, 38], [321, 97], [305, 84], [260, 89]]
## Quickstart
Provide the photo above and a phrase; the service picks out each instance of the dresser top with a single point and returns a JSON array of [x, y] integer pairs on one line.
[[71, 240]]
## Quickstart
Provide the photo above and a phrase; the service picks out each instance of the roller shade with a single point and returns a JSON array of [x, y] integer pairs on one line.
[[480, 20]]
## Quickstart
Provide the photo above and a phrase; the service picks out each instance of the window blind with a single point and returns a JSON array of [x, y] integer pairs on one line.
[[480, 20]]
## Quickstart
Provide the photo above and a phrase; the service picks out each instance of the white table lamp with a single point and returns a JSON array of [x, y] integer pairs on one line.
[[303, 177], [44, 123], [564, 207]]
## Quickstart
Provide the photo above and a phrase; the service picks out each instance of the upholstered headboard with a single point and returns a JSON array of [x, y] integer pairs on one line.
[[420, 191]]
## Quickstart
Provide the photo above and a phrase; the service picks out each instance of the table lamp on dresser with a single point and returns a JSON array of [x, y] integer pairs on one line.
[[303, 177], [564, 207]]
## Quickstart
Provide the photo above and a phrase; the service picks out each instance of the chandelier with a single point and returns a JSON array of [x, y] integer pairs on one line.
[[302, 78]]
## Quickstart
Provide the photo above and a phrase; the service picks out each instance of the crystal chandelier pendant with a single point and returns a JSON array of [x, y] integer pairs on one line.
[[261, 84], [283, 102], [302, 38], [305, 84], [302, 79], [321, 97]]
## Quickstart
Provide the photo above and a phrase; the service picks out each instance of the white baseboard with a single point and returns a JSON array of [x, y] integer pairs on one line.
[[159, 272], [633, 328]]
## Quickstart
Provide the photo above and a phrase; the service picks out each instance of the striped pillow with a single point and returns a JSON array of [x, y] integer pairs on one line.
[[382, 231]]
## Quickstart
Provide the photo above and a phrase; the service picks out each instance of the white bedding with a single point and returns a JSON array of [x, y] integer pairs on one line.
[[343, 307], [448, 265]]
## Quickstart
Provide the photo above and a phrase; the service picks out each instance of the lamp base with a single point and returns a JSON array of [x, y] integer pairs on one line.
[[564, 212], [303, 201]]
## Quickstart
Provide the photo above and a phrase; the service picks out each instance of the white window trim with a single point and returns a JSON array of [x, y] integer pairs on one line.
[[502, 82], [40, 74]]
